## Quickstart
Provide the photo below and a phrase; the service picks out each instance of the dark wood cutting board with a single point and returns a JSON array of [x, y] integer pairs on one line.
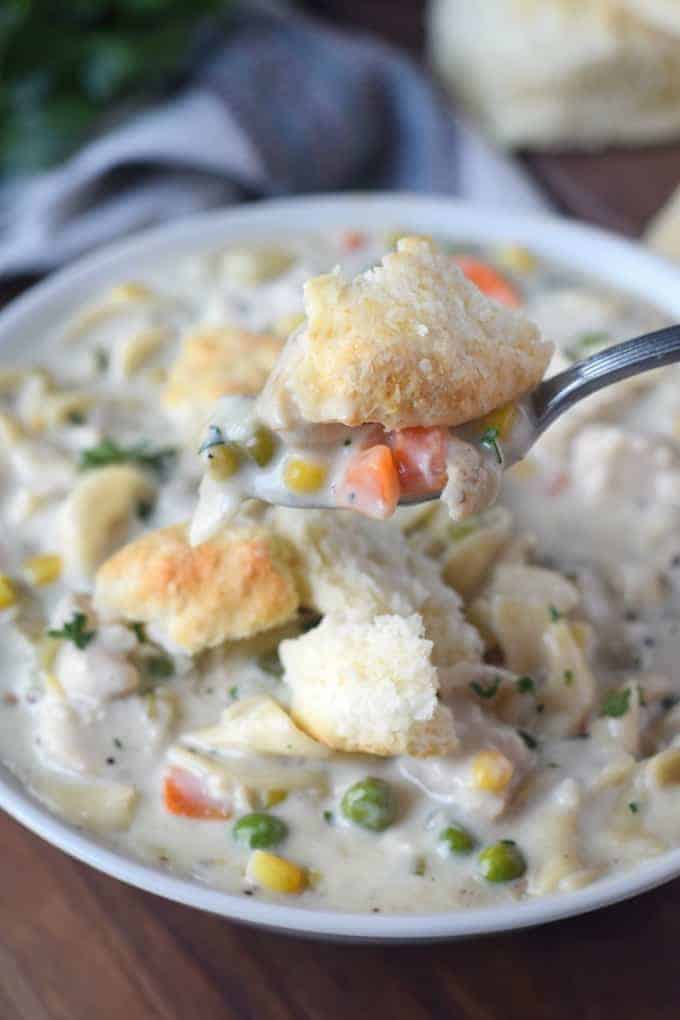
[[76, 945]]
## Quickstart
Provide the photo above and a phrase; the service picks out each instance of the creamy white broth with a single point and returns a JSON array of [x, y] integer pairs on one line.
[[101, 762]]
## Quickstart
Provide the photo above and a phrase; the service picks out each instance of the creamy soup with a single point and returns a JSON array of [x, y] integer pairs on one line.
[[542, 748]]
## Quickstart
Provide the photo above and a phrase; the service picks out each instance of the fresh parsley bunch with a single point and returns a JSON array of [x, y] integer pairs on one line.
[[64, 63]]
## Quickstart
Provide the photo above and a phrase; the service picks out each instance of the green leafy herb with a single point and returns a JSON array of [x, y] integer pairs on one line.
[[634, 807], [568, 677], [525, 685], [486, 692], [76, 418], [616, 703], [215, 438], [160, 667], [117, 742], [419, 866], [75, 630], [489, 439], [530, 741], [554, 614], [140, 631], [66, 65], [233, 692], [328, 817], [110, 452]]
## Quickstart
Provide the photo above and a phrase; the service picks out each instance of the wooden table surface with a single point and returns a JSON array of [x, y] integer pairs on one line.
[[76, 945]]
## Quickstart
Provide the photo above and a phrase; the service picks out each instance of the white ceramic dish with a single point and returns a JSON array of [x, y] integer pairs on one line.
[[613, 261]]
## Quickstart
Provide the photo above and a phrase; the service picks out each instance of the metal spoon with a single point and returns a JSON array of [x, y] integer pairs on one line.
[[552, 397]]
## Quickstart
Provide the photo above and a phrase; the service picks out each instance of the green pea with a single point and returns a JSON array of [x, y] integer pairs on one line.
[[260, 830], [260, 446], [502, 861], [370, 803], [454, 839]]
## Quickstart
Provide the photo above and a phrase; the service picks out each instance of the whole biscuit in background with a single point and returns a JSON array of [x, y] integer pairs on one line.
[[542, 73]]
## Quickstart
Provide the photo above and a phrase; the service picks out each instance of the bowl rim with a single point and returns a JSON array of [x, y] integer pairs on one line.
[[610, 259]]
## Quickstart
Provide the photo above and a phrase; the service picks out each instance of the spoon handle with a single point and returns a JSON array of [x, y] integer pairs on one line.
[[557, 394]]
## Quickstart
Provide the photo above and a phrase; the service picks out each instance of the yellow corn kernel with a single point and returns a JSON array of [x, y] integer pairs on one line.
[[491, 771], [276, 873], [43, 569], [582, 634], [503, 418], [223, 461], [516, 257], [130, 292], [8, 595], [664, 768], [288, 323], [249, 267], [304, 475], [274, 797], [52, 685]]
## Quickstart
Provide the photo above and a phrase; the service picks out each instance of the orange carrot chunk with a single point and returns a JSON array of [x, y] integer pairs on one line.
[[488, 280], [183, 794], [371, 483], [420, 458]]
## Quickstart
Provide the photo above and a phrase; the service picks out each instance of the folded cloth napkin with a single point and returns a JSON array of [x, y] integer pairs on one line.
[[283, 106]]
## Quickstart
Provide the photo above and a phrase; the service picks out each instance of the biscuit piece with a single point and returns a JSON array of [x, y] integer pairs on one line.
[[355, 568], [238, 584], [368, 686], [214, 362], [664, 14], [409, 342], [547, 73]]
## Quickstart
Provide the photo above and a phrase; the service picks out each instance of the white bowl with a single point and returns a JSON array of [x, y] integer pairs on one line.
[[594, 252]]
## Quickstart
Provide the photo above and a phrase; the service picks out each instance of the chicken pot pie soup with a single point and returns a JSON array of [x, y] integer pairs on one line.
[[414, 714]]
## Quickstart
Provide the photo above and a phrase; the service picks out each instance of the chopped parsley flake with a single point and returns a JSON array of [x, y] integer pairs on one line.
[[160, 667], [616, 703], [634, 807], [233, 693], [140, 632], [489, 439], [486, 692], [117, 742], [215, 438], [108, 451], [75, 630], [568, 677], [525, 685], [554, 613], [419, 866], [328, 817]]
